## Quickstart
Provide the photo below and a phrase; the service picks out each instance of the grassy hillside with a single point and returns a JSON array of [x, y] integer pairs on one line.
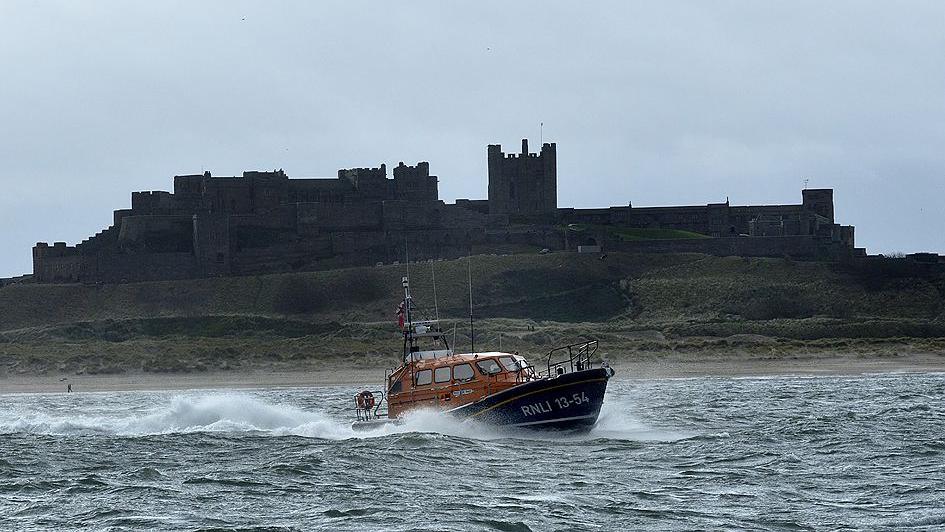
[[644, 304]]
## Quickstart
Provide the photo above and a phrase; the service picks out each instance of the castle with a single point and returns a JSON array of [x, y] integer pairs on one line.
[[265, 222]]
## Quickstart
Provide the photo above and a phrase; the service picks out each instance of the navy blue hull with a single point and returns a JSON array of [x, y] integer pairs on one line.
[[569, 402]]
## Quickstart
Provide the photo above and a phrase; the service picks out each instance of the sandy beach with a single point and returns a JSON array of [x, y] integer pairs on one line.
[[650, 368]]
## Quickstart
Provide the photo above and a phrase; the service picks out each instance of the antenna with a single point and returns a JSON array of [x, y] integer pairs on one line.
[[541, 133], [806, 180], [472, 331]]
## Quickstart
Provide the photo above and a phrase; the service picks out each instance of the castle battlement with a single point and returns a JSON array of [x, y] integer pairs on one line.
[[265, 221]]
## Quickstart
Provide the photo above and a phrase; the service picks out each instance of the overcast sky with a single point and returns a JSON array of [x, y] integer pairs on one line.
[[654, 103]]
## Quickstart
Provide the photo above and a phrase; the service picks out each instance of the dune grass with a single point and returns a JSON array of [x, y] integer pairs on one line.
[[637, 304]]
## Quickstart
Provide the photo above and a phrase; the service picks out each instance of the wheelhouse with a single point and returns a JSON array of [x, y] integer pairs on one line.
[[453, 380]]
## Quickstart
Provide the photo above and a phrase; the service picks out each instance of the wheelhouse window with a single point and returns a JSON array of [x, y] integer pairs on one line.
[[441, 374], [509, 363], [463, 372], [489, 366], [424, 376]]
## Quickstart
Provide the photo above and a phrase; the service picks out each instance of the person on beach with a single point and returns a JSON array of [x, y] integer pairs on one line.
[[69, 388]]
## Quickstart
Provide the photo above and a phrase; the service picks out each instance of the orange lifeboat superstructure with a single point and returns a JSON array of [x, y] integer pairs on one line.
[[496, 387], [454, 380]]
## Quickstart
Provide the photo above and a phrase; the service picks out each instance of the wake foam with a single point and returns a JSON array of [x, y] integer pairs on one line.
[[246, 413], [185, 414], [617, 423], [236, 413]]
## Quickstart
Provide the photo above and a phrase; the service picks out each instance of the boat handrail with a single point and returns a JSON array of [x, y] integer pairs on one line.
[[372, 412], [522, 374], [425, 323], [429, 355], [578, 358]]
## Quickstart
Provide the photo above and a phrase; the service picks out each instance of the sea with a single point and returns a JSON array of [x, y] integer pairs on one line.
[[860, 452]]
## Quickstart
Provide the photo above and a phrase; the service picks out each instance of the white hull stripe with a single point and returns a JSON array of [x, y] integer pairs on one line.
[[557, 420]]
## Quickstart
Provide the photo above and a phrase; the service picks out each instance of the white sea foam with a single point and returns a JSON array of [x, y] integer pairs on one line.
[[228, 412], [183, 414], [224, 412], [617, 422], [433, 421], [238, 412]]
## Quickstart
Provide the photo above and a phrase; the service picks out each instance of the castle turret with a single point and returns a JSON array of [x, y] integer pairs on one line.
[[415, 182], [819, 201], [524, 185]]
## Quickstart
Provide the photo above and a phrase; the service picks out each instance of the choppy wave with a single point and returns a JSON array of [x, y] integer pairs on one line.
[[786, 453]]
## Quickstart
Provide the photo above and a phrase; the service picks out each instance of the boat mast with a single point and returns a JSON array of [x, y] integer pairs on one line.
[[408, 321]]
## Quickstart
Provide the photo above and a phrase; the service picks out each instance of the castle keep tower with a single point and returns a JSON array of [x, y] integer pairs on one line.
[[819, 201], [523, 185]]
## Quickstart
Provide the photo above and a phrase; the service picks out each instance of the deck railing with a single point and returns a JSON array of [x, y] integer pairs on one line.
[[570, 358]]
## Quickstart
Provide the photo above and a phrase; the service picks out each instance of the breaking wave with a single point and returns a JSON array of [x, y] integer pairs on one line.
[[184, 414], [245, 413]]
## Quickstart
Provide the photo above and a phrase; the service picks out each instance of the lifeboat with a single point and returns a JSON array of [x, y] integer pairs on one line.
[[564, 393]]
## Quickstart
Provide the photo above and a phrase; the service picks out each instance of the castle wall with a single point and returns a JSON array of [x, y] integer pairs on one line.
[[405, 214], [315, 218], [212, 247], [717, 219], [321, 191], [480, 206], [156, 233], [62, 264], [463, 215], [154, 202], [228, 195], [371, 183]]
